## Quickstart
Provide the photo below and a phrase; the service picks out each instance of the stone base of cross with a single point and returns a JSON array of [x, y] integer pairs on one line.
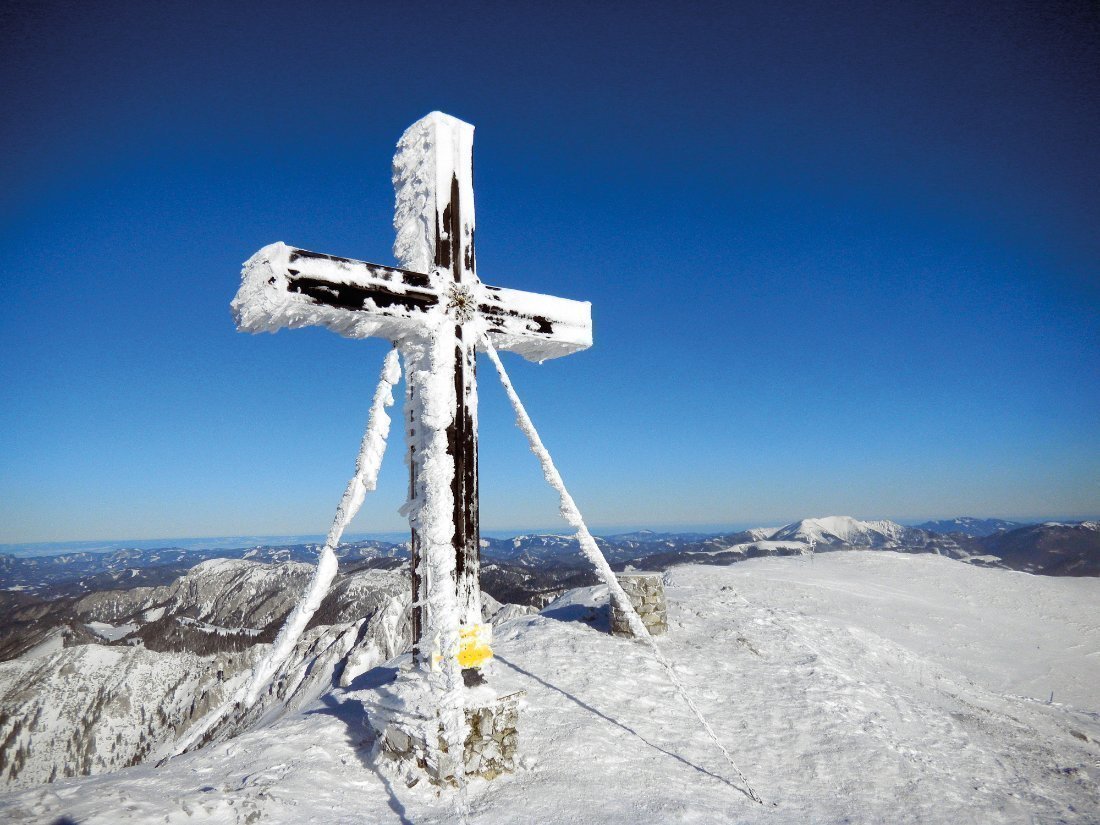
[[411, 739]]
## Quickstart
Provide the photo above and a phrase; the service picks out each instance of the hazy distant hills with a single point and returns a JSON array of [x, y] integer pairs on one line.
[[1051, 549], [509, 564], [84, 572], [969, 526]]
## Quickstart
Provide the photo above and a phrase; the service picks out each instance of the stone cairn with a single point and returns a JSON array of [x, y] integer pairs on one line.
[[647, 593]]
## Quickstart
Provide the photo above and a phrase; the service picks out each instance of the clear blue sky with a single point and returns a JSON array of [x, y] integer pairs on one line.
[[843, 258]]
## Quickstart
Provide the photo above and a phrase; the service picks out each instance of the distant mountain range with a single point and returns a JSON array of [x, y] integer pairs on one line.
[[92, 641], [1051, 548], [84, 572], [968, 526]]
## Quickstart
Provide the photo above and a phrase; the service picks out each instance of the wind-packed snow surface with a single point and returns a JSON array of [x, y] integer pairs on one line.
[[572, 515], [862, 688]]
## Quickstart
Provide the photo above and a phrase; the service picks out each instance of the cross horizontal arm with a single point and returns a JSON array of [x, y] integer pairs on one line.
[[536, 326], [285, 287]]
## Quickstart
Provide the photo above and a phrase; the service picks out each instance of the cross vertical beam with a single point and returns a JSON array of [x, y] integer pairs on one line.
[[446, 224], [462, 433]]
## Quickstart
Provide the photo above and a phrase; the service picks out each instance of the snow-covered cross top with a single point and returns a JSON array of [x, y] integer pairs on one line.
[[437, 311]]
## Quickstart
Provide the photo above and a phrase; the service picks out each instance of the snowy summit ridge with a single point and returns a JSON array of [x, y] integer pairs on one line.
[[842, 530]]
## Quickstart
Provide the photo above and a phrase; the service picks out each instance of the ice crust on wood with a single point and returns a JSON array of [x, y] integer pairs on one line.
[[516, 327], [434, 157], [538, 327], [429, 367], [432, 150], [429, 152], [265, 302]]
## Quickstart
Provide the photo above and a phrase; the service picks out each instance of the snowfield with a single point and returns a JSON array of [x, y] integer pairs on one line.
[[862, 687]]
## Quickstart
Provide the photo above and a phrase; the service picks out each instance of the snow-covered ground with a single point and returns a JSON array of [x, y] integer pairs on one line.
[[851, 687], [111, 632]]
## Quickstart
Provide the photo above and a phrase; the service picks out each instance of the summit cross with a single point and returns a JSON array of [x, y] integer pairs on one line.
[[437, 312]]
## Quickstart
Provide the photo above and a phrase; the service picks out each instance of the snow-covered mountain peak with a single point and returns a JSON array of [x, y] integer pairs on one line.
[[763, 533], [842, 530]]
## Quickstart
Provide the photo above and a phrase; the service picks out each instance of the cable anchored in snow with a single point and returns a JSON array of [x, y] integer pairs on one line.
[[572, 516], [367, 464]]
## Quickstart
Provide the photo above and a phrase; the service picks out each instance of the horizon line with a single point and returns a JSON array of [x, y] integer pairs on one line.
[[248, 539]]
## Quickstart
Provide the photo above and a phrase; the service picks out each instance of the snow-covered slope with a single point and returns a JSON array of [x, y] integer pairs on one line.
[[221, 592], [183, 649], [850, 687]]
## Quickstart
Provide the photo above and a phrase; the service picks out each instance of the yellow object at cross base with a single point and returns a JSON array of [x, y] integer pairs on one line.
[[474, 644]]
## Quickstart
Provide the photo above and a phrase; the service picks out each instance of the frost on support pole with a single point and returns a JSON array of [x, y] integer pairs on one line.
[[434, 219], [435, 308]]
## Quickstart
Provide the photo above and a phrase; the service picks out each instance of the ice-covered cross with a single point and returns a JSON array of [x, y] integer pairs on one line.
[[437, 312]]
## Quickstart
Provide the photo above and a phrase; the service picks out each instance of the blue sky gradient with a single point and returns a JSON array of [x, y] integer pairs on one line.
[[841, 261]]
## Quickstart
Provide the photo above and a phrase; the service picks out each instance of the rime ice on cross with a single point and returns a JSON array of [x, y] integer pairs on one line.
[[438, 313], [436, 310]]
